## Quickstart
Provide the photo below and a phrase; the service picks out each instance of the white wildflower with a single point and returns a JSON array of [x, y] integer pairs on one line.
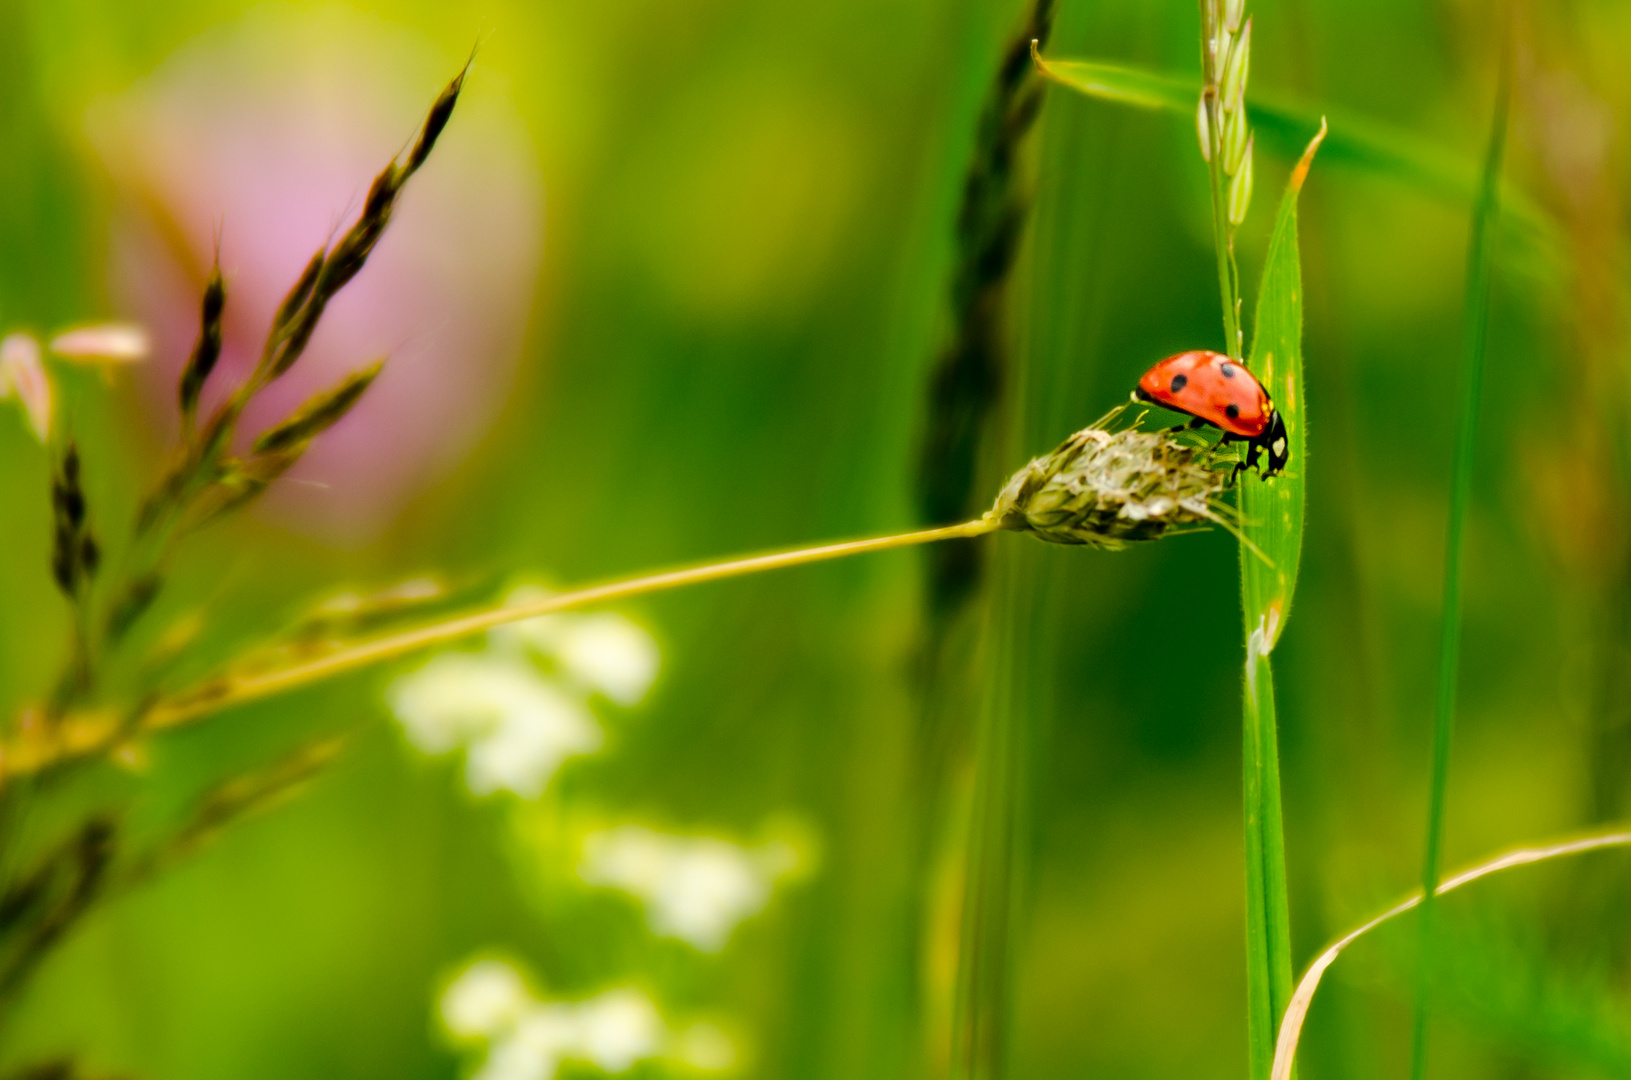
[[602, 653], [487, 999], [619, 1028], [528, 1039], [516, 1058], [518, 727], [695, 888], [610, 654], [117, 343], [22, 373]]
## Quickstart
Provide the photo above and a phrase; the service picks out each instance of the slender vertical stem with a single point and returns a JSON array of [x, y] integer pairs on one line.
[[1268, 923], [1268, 917], [1475, 323]]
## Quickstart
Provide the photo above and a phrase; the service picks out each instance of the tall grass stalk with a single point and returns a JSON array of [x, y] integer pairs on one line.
[[1271, 512], [1474, 332]]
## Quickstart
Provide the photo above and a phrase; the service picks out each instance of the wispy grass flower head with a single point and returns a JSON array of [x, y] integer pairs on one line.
[[1107, 489]]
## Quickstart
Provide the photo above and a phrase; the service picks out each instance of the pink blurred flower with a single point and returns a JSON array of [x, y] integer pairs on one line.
[[267, 135]]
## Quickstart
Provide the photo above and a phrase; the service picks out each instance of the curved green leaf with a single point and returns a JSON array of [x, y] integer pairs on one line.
[[1271, 514], [1284, 125]]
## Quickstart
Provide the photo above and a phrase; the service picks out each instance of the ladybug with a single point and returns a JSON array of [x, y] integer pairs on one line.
[[1216, 390]]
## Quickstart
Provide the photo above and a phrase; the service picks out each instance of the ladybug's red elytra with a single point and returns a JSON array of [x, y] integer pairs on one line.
[[1216, 390]]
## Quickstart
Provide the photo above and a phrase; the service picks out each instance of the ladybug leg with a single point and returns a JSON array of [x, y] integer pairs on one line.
[[1248, 459], [1240, 466]]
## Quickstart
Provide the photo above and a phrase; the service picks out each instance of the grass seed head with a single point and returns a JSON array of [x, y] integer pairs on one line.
[[208, 349], [318, 414], [75, 554], [1109, 489]]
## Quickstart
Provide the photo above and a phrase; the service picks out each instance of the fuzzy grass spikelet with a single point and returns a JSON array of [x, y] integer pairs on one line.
[[1109, 489]]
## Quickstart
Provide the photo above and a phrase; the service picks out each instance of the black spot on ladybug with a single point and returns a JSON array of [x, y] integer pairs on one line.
[[1232, 412], [1227, 369], [1179, 382]]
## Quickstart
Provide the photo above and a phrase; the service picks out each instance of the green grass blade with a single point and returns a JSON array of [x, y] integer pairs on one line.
[[1283, 124], [1272, 521], [1474, 330]]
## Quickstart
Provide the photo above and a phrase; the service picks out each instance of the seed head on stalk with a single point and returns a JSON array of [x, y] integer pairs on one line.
[[1224, 130], [1108, 489]]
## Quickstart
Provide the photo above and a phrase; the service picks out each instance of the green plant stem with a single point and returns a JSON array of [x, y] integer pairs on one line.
[[1475, 323], [1268, 914], [1268, 920], [97, 733]]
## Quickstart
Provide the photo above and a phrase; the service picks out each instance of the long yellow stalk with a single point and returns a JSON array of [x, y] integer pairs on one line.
[[91, 733]]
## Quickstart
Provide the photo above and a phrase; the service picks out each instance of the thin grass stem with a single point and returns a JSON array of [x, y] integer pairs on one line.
[[97, 733], [1475, 323]]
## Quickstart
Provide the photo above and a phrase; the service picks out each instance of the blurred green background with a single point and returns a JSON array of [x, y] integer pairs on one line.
[[747, 239]]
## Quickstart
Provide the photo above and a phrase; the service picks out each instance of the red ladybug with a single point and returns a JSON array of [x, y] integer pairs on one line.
[[1218, 391]]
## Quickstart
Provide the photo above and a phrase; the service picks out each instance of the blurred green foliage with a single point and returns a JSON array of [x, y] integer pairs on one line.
[[749, 215]]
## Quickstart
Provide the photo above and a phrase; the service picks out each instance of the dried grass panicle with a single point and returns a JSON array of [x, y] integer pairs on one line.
[[969, 375], [201, 482], [318, 414], [50, 900], [208, 349], [1107, 489], [330, 270], [75, 555], [236, 798]]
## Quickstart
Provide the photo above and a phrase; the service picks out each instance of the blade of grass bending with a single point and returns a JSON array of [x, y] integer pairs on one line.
[[1282, 123], [1271, 515], [1285, 1051], [1475, 323]]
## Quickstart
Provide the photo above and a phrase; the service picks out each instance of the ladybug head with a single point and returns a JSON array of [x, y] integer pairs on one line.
[[1276, 443]]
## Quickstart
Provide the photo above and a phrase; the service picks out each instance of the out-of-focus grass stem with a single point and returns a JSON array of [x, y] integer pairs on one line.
[[1474, 333], [97, 732]]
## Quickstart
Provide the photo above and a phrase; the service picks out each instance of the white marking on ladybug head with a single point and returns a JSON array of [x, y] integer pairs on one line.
[[1279, 447]]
